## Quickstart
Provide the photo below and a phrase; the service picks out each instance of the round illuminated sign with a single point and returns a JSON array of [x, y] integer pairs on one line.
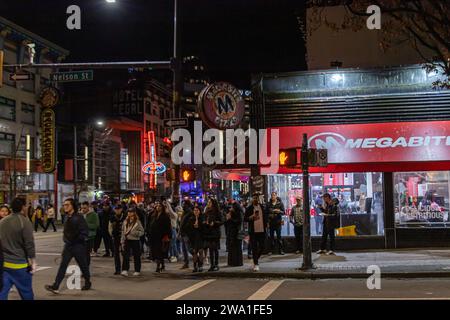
[[49, 97], [221, 106], [153, 167]]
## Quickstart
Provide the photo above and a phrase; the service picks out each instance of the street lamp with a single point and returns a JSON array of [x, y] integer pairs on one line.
[[100, 123], [111, 1]]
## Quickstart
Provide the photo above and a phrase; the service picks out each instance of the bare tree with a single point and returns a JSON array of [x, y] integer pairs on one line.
[[424, 24]]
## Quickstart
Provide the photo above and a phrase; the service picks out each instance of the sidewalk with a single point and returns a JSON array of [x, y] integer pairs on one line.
[[400, 263]]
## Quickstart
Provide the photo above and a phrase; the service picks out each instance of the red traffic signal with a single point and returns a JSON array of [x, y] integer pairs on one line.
[[187, 175], [288, 157]]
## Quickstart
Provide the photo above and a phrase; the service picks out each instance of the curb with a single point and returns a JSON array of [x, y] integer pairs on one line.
[[311, 275]]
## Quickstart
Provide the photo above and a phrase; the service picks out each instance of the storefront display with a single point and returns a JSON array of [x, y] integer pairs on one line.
[[421, 199], [360, 198]]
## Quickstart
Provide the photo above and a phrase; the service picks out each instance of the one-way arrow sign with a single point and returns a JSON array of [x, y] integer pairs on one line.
[[20, 76], [176, 123]]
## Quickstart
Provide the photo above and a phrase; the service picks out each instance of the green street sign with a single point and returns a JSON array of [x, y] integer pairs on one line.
[[86, 75]]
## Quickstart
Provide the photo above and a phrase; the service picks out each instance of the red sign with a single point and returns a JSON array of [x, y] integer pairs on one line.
[[375, 142], [221, 106]]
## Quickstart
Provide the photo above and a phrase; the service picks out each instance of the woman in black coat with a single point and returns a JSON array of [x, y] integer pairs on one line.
[[160, 234], [234, 221], [212, 223], [195, 229]]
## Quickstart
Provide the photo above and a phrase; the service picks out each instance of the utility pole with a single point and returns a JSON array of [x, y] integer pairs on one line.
[[307, 252], [177, 88], [75, 167]]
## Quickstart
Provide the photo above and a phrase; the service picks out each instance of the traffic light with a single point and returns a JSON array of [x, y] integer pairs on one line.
[[1, 67], [288, 157], [187, 175], [168, 145]]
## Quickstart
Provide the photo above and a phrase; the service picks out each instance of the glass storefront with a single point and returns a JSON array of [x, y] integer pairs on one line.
[[421, 199], [360, 200]]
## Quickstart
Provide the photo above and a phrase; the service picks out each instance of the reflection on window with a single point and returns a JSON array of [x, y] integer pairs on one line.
[[360, 198], [421, 199]]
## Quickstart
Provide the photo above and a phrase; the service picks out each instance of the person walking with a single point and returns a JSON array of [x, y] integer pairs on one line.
[[93, 223], [75, 235], [132, 231], [195, 234], [19, 253], [185, 216], [296, 218], [256, 216], [160, 233], [50, 218], [331, 222], [38, 218], [173, 251], [115, 230], [212, 223], [235, 235], [276, 211], [63, 215]]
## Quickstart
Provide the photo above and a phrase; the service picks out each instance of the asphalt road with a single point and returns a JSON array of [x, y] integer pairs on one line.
[[155, 286]]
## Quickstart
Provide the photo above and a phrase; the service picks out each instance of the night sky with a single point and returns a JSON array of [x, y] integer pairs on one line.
[[234, 38]]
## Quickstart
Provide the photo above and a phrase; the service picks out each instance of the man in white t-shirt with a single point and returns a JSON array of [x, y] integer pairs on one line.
[[256, 216]]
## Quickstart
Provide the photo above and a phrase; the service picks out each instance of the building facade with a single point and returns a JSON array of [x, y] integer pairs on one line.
[[20, 115]]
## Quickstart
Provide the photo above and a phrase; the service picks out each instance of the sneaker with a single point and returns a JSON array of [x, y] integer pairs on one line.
[[331, 253], [87, 286], [136, 274], [124, 273], [52, 288], [270, 253], [216, 268], [282, 253], [297, 252], [173, 259], [321, 252], [255, 267]]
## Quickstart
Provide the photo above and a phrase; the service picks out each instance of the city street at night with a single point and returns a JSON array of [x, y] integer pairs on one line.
[[263, 156]]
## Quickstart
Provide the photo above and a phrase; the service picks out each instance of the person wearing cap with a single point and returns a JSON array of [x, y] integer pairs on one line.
[[331, 219], [296, 218]]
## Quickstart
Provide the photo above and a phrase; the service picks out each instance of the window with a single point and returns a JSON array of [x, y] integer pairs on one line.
[[421, 199], [7, 109], [6, 144], [161, 113], [28, 112], [360, 198], [148, 107]]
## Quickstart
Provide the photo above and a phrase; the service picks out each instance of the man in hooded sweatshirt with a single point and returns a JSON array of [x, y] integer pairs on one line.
[[331, 222]]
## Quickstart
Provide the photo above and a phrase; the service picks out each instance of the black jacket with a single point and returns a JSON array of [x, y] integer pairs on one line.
[[104, 217], [235, 223], [274, 217], [196, 235], [332, 215], [249, 212], [76, 230], [215, 217], [187, 213], [116, 225]]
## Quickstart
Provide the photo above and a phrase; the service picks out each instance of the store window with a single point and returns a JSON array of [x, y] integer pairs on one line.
[[421, 199], [28, 112], [6, 144], [360, 198]]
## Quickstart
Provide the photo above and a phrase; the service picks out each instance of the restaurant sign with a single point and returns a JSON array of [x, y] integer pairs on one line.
[[48, 159]]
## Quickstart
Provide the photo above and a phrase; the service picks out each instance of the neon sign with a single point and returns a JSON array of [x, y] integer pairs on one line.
[[153, 167]]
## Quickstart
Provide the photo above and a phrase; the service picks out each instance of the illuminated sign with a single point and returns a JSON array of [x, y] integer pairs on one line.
[[152, 167], [48, 140], [49, 97]]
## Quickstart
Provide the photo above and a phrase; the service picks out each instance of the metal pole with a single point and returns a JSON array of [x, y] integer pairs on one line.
[[75, 169], [177, 78], [95, 65], [307, 259]]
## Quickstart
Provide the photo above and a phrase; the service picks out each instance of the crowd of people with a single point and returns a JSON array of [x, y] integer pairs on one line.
[[159, 230]]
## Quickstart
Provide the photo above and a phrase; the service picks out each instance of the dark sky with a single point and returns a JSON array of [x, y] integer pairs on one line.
[[234, 38]]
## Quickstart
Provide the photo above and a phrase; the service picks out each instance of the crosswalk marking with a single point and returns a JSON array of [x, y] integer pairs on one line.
[[42, 268], [266, 290], [188, 290], [47, 254], [359, 298]]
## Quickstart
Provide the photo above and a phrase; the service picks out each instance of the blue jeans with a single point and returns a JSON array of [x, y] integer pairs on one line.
[[173, 250], [21, 279], [185, 248]]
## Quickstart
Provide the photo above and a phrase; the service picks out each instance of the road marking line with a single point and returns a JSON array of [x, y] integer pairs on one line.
[[388, 298], [48, 254], [188, 290], [42, 268], [266, 290]]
